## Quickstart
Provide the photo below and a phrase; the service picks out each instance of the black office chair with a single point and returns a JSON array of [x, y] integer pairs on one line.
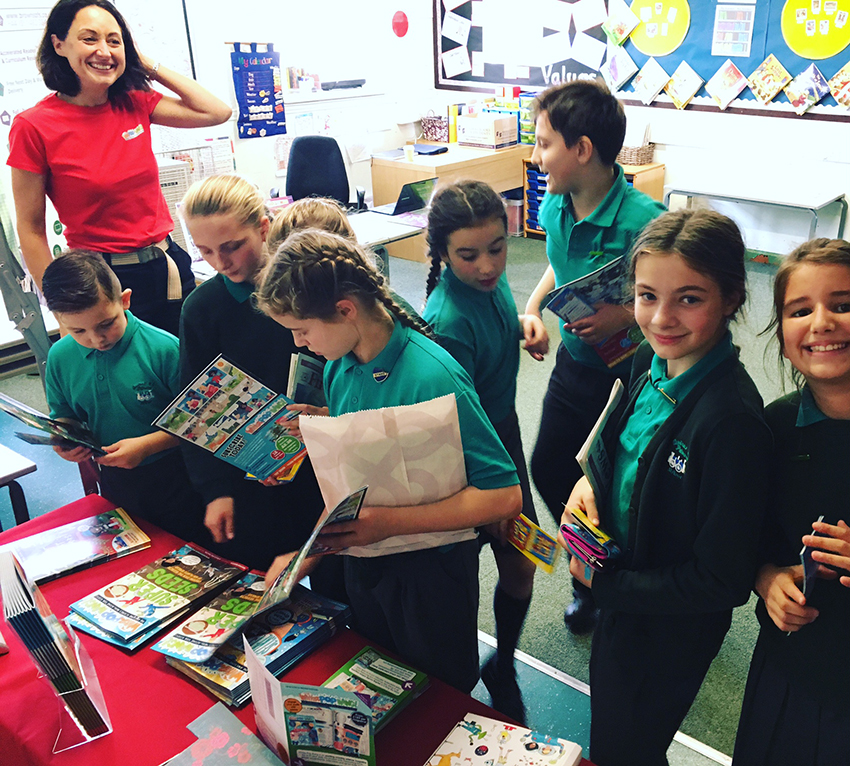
[[316, 169]]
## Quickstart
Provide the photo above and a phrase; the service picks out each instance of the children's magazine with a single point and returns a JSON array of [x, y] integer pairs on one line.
[[227, 412], [535, 544], [306, 380]]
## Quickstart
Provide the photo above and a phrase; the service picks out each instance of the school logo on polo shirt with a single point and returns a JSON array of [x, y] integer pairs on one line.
[[144, 392], [380, 375], [678, 460]]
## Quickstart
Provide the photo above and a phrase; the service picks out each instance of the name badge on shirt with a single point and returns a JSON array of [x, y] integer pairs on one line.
[[380, 375], [129, 135]]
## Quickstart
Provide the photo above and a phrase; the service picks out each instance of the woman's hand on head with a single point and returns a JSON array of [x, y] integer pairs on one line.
[[535, 336], [832, 549], [785, 602]]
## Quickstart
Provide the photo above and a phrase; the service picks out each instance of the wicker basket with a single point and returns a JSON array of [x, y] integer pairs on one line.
[[435, 128], [636, 155]]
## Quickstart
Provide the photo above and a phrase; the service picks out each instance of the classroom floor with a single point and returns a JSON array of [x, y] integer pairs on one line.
[[552, 662]]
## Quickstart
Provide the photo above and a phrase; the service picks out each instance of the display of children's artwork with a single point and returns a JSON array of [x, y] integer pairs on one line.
[[770, 78], [806, 89], [726, 84], [237, 418]]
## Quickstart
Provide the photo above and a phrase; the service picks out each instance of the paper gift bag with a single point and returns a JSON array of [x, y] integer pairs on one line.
[[407, 455]]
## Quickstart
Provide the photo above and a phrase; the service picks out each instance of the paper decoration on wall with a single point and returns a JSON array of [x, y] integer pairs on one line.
[[839, 86], [770, 78], [650, 81], [683, 85], [620, 22], [733, 30], [618, 69], [664, 26], [259, 90], [726, 84], [816, 29], [400, 23], [806, 89]]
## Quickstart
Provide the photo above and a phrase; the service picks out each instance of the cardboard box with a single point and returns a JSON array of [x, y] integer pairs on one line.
[[487, 130]]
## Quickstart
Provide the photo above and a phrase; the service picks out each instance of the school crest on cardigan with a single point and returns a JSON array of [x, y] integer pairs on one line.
[[678, 459]]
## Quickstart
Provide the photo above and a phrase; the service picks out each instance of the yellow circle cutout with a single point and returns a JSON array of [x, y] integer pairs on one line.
[[816, 29], [664, 25]]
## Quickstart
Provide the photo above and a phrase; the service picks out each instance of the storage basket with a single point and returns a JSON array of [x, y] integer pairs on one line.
[[636, 155], [435, 128]]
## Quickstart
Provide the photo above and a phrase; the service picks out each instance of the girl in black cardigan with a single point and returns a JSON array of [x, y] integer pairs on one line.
[[797, 702], [687, 493]]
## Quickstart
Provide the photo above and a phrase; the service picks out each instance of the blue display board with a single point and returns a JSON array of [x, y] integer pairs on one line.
[[259, 90]]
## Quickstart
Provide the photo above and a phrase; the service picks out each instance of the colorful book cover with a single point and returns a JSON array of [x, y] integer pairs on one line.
[[535, 544], [575, 300], [770, 78], [683, 85], [650, 81], [726, 84], [131, 644], [620, 23], [227, 412], [135, 603], [620, 346], [618, 69], [306, 380], [839, 86], [477, 737], [386, 685], [199, 636], [806, 89], [78, 545]]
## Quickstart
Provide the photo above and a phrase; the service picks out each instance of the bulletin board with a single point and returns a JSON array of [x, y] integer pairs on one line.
[[480, 44]]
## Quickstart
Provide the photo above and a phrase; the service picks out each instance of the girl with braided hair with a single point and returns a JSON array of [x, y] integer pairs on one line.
[[471, 309], [422, 604]]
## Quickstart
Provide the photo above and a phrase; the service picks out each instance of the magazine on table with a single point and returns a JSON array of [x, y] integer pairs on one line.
[[237, 418]]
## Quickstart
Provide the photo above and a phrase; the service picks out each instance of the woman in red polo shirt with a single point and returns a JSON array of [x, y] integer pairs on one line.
[[87, 147]]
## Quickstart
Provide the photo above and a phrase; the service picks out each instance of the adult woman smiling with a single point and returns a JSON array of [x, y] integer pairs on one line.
[[87, 147]]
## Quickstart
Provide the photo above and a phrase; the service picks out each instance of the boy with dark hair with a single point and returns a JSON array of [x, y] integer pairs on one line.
[[591, 216], [116, 373]]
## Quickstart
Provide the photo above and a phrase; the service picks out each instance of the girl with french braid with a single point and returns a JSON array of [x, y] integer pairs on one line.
[[420, 603]]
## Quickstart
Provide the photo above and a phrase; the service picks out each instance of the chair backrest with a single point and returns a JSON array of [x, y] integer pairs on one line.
[[316, 168]]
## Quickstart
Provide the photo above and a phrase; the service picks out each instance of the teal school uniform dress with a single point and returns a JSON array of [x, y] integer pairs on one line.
[[422, 604], [481, 330], [580, 382], [118, 393], [796, 708]]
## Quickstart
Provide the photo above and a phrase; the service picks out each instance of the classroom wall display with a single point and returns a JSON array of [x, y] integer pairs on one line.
[[259, 90], [479, 44]]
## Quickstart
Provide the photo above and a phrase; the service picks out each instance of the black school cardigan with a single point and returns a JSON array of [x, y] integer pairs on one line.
[[698, 500]]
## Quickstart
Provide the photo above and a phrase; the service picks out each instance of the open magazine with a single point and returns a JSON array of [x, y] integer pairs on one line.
[[306, 380], [58, 434], [240, 420], [575, 300]]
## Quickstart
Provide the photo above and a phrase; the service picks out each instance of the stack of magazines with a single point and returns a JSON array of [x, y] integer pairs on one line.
[[281, 636], [28, 614]]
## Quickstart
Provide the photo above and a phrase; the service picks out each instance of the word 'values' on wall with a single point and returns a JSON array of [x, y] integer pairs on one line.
[[788, 57], [259, 90]]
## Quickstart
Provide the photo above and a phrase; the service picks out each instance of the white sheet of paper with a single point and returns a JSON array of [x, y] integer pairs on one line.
[[456, 61], [588, 50], [456, 28], [477, 64], [408, 455], [555, 48], [268, 704], [646, 14], [589, 13], [516, 72], [479, 13], [556, 15]]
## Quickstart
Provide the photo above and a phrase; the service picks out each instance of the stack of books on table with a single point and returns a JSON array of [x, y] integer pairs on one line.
[[280, 635], [130, 610], [51, 648]]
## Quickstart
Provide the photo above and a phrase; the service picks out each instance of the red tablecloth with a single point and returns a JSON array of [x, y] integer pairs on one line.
[[149, 703]]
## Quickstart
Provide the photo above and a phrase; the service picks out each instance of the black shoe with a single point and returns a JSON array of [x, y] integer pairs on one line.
[[580, 616], [504, 689]]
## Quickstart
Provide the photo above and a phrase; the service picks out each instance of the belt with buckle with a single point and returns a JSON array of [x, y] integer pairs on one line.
[[174, 287]]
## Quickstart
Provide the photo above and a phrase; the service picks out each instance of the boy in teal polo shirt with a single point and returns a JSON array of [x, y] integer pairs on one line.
[[116, 373], [591, 216]]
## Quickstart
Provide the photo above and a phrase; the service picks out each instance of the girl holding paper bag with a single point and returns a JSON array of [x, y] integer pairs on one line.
[[686, 501], [796, 707], [421, 603], [472, 311]]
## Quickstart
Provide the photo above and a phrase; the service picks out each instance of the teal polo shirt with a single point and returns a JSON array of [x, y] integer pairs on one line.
[[481, 330], [809, 412], [654, 405], [575, 248], [118, 393], [413, 369], [239, 291]]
